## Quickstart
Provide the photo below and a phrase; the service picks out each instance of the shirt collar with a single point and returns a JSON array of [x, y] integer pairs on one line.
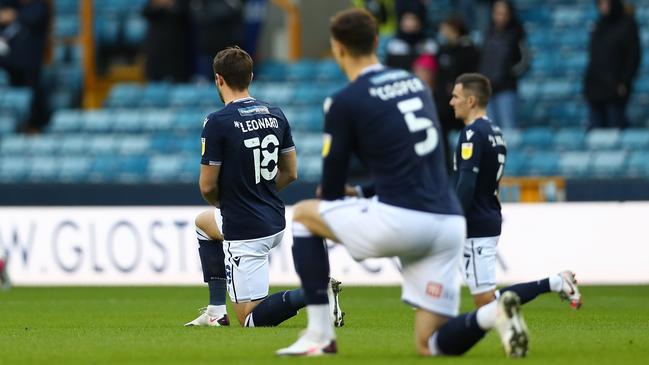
[[371, 68], [242, 99]]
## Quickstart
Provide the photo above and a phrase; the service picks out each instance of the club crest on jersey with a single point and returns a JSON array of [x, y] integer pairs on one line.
[[326, 144], [467, 150], [202, 146]]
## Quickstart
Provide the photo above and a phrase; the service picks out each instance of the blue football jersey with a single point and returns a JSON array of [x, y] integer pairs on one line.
[[482, 149], [387, 118], [246, 138]]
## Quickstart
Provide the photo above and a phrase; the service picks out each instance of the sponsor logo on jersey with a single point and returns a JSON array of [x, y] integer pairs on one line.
[[202, 146], [326, 144], [327, 104], [252, 110], [467, 150], [204, 122]]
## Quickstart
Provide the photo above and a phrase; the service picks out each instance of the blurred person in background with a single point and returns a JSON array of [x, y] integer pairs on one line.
[[384, 11], [410, 41], [614, 58], [23, 34], [474, 12], [457, 55], [219, 24], [167, 47], [505, 58]]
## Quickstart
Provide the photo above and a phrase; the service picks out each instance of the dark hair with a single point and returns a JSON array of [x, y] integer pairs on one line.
[[235, 66], [514, 22], [458, 24], [476, 84], [356, 29]]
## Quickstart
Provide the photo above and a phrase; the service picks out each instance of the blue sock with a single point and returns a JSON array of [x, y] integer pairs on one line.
[[529, 291], [276, 309], [459, 334], [311, 264], [217, 291], [213, 265]]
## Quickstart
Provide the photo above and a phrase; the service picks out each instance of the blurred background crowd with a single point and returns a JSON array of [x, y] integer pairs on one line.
[[115, 91]]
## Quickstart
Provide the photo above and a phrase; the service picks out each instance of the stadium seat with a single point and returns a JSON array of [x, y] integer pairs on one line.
[[128, 145], [608, 163], [309, 144], [574, 164], [43, 145], [7, 124], [513, 138], [515, 164], [74, 168], [13, 144], [271, 71], [155, 95], [66, 121], [14, 168], [124, 96], [127, 121], [189, 120], [598, 139], [97, 121], [569, 139], [131, 168], [310, 168], [157, 120], [165, 167], [638, 164], [44, 168], [103, 145], [304, 70], [134, 29], [66, 26], [74, 144], [543, 163], [184, 95], [537, 137], [328, 70], [107, 28], [635, 138]]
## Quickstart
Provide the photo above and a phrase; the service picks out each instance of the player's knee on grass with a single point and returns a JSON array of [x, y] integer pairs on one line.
[[484, 298], [206, 223]]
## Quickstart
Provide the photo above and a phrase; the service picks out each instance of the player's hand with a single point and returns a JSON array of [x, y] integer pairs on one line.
[[351, 190]]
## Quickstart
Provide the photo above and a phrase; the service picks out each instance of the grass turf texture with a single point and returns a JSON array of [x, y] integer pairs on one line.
[[145, 326]]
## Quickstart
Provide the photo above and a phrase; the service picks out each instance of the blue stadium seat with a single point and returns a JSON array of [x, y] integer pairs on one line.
[[635, 138], [8, 124], [164, 167], [103, 168], [107, 28], [515, 164], [638, 164], [158, 120], [134, 29], [276, 93], [14, 168], [103, 145], [16, 100], [74, 144], [598, 139], [66, 26], [537, 137], [127, 120], [44, 168], [155, 95], [97, 121], [184, 95], [328, 70], [608, 163], [574, 164], [13, 144], [131, 168], [513, 138], [43, 145], [4, 78], [165, 143], [303, 70], [543, 163], [66, 121], [189, 120], [310, 168], [569, 139], [134, 144], [309, 144], [271, 71], [74, 168], [124, 96]]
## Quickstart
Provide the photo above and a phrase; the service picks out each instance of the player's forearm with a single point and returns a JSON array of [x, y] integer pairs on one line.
[[284, 179], [211, 195]]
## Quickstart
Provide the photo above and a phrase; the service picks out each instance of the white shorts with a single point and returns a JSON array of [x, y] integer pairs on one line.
[[428, 245], [246, 267], [246, 264], [479, 266]]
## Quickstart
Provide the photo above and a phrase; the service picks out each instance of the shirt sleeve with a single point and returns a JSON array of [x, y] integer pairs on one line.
[[336, 150], [287, 143], [211, 143], [470, 150]]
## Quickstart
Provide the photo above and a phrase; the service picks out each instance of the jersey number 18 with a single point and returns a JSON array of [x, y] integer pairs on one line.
[[270, 142]]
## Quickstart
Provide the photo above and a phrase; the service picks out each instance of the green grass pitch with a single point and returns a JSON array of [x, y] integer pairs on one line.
[[134, 325]]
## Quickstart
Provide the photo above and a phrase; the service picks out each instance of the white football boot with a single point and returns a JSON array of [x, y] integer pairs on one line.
[[569, 290], [510, 325], [306, 346], [337, 315], [207, 320]]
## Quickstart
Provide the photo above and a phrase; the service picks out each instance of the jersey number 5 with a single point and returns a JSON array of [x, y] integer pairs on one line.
[[261, 166], [415, 124]]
